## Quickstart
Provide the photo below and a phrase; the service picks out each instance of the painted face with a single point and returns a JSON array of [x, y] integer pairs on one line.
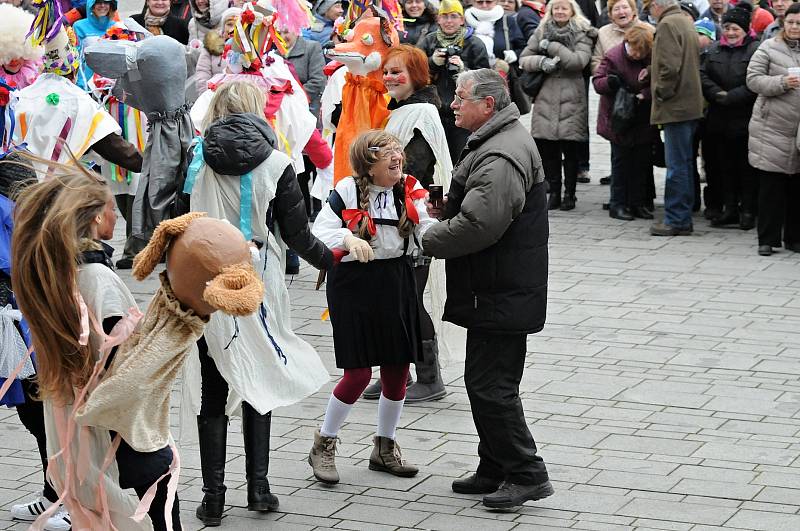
[[484, 5], [562, 11], [389, 169], [202, 5], [101, 9], [621, 13], [334, 12], [396, 79], [13, 66], [450, 23], [733, 32], [108, 220], [158, 8], [791, 25], [414, 8]]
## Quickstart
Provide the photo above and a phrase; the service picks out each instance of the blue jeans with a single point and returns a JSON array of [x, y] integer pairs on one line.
[[679, 188]]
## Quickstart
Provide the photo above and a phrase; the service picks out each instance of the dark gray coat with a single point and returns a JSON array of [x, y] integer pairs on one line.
[[308, 61], [494, 237]]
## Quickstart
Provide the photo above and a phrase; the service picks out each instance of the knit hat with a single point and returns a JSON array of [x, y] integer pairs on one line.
[[706, 27], [690, 9], [451, 6], [231, 12], [740, 14], [322, 6]]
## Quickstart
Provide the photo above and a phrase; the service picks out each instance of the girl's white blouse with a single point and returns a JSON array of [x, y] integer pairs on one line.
[[386, 243]]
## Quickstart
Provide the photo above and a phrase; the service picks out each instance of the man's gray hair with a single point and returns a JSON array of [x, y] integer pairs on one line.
[[665, 3], [487, 82]]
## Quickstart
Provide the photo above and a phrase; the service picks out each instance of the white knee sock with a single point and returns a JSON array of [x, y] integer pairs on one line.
[[389, 412], [335, 416]]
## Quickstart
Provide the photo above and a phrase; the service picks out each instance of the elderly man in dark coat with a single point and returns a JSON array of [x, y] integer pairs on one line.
[[494, 239]]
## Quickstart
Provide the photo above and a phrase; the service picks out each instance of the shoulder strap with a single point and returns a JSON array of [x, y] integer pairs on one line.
[[505, 32]]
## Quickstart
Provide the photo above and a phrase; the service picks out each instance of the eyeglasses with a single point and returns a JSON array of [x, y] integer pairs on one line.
[[458, 100], [386, 152]]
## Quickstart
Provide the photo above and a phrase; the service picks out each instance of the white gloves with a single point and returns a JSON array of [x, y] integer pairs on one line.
[[510, 56], [359, 248]]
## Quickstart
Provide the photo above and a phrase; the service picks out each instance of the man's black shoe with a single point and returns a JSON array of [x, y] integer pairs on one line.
[[605, 180], [511, 495], [125, 263], [476, 484]]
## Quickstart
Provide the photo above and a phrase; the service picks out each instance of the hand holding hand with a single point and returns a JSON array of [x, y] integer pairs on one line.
[[550, 64], [359, 248], [543, 45]]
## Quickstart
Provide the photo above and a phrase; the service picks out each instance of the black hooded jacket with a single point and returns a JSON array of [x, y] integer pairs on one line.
[[420, 160], [239, 143]]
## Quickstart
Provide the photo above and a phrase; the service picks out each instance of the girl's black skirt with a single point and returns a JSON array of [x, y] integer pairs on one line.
[[374, 313]]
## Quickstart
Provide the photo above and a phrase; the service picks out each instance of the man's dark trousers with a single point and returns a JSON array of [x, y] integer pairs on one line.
[[492, 374]]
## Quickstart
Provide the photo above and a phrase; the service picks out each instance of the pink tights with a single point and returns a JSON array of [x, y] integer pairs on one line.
[[354, 381]]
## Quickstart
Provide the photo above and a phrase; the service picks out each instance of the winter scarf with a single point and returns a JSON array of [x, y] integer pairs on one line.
[[154, 23], [565, 34], [483, 22], [449, 40]]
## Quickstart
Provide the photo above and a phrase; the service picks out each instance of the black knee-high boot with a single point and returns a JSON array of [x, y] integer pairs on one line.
[[213, 435], [255, 429]]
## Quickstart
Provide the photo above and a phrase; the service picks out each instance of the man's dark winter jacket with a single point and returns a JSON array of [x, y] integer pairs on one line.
[[494, 237], [239, 143], [725, 69]]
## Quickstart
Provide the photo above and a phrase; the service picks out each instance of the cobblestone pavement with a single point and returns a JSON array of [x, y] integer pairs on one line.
[[663, 392]]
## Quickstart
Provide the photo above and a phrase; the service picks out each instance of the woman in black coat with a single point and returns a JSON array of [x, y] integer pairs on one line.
[[158, 20], [420, 20], [723, 75]]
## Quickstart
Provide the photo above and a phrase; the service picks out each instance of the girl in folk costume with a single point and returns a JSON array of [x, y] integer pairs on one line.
[[258, 362], [19, 59], [415, 122], [379, 216], [58, 260]]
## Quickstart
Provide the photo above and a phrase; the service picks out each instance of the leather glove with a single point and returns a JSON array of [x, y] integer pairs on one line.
[[359, 248], [510, 56], [543, 45], [721, 96], [438, 58], [614, 82], [550, 64]]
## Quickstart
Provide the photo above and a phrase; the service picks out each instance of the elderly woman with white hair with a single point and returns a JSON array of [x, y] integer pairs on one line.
[[560, 48]]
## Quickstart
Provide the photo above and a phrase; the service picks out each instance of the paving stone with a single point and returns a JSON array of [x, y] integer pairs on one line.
[[650, 445], [675, 511], [764, 521], [718, 489], [748, 454]]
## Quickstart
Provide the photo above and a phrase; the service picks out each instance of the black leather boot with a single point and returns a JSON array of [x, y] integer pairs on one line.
[[568, 203], [255, 429], [730, 216], [553, 201], [429, 384], [213, 436]]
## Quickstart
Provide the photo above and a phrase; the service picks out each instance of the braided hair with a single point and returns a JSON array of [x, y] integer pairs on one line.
[[364, 155]]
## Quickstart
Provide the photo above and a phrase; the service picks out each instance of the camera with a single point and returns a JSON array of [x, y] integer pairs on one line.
[[449, 52]]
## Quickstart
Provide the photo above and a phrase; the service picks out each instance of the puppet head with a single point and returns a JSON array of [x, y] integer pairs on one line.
[[253, 36], [209, 264], [368, 43], [150, 74]]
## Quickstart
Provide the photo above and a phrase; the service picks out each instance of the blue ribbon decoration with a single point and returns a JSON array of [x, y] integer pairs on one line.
[[194, 167], [246, 205]]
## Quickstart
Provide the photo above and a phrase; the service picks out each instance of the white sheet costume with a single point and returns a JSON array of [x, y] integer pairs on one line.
[[331, 97]]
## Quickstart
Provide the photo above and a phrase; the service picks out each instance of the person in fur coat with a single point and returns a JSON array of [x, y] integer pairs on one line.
[[211, 62]]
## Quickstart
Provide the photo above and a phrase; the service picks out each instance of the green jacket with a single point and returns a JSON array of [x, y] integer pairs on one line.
[[675, 72]]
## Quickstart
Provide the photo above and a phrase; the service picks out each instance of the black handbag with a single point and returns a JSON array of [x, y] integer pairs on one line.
[[623, 113], [531, 83]]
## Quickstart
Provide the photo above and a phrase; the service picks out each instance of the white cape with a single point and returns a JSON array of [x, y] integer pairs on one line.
[[267, 366]]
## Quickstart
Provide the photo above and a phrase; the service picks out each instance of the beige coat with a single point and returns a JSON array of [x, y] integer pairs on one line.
[[609, 36], [561, 109], [776, 115]]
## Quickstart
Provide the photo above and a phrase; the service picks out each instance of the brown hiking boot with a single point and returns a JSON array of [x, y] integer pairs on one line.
[[386, 457], [322, 458]]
